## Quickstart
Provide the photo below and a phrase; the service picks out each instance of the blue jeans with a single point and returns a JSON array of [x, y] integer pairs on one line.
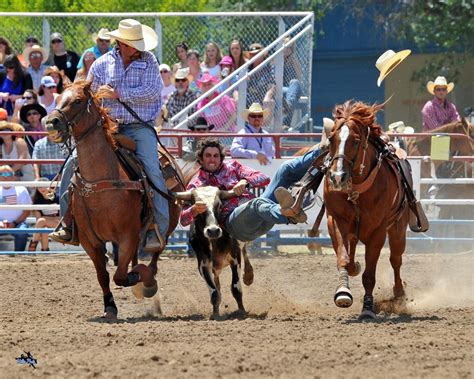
[[66, 176], [256, 217], [292, 94], [20, 239], [147, 153]]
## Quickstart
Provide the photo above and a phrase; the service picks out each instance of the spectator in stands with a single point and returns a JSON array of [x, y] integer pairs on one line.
[[47, 95], [201, 126], [87, 59], [31, 116], [102, 45], [168, 86], [29, 42], [212, 57], [13, 218], [439, 111], [194, 69], [45, 148], [226, 69], [182, 55], [65, 60], [236, 52], [399, 127], [60, 79], [44, 218], [29, 97], [260, 148], [222, 113], [13, 147], [292, 88], [182, 97], [13, 82], [261, 85], [5, 50], [36, 57]]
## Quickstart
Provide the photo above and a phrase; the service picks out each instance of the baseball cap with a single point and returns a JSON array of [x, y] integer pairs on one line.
[[3, 114], [58, 36], [48, 81], [32, 39], [164, 66]]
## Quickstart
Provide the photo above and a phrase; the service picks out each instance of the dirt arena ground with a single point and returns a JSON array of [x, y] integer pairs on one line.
[[50, 306]]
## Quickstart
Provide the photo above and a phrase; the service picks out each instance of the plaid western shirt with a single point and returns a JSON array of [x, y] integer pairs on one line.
[[45, 149], [226, 177], [177, 103], [436, 114], [139, 85]]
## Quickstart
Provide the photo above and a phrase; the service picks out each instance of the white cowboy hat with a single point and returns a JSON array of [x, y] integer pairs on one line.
[[102, 34], [35, 49], [255, 108], [132, 33], [440, 81], [183, 73], [388, 61], [399, 127]]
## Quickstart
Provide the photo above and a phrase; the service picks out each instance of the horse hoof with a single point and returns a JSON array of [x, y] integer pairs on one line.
[[110, 314], [248, 277], [150, 291], [343, 297], [137, 290], [356, 271], [367, 314]]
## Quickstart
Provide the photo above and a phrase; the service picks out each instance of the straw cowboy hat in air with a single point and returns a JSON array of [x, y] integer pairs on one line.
[[35, 49], [255, 108], [440, 81], [388, 61], [400, 127], [132, 33]]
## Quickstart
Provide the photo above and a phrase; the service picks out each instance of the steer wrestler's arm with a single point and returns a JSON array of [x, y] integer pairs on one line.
[[253, 177]]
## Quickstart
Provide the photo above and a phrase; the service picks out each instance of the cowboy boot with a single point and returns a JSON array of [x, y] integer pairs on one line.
[[65, 232], [154, 241], [285, 200]]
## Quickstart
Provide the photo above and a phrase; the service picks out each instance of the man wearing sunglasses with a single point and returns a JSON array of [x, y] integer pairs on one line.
[[36, 57], [181, 97], [13, 218], [439, 111], [258, 147], [65, 60], [102, 45]]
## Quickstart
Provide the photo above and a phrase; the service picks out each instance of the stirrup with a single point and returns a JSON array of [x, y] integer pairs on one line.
[[154, 246]]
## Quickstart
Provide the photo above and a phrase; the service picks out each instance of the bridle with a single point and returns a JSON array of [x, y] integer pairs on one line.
[[351, 162]]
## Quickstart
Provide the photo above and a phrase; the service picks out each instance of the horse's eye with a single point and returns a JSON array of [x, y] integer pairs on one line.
[[356, 142], [77, 101]]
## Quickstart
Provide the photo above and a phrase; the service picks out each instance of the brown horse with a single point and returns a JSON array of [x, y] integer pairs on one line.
[[364, 199], [114, 213]]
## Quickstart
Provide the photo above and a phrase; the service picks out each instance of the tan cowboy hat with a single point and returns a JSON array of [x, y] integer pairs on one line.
[[35, 49], [132, 33], [440, 81], [103, 34], [183, 73], [255, 108], [12, 126], [388, 61], [400, 127]]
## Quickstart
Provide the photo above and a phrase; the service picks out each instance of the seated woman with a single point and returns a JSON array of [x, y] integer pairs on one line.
[[222, 113], [88, 58], [29, 97], [13, 147], [59, 78], [47, 94], [45, 218]]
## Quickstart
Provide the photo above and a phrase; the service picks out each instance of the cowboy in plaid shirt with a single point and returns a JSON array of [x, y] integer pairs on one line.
[[45, 148], [182, 97]]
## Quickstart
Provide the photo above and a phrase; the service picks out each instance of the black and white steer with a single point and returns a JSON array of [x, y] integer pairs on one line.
[[215, 249]]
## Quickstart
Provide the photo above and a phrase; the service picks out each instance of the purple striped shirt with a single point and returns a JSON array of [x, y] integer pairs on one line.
[[436, 114], [139, 85]]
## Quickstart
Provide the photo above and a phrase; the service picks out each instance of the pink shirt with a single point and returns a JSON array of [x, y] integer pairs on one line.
[[219, 113], [435, 114]]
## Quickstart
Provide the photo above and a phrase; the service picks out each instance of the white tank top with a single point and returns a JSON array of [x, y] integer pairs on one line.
[[49, 108], [27, 169]]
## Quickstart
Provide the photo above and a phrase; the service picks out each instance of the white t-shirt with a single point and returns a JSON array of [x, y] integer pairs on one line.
[[49, 108], [11, 196], [166, 92]]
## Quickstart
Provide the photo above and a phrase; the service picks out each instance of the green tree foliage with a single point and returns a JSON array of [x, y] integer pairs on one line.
[[444, 26]]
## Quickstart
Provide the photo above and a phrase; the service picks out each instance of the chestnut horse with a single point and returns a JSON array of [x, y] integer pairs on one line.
[[365, 200], [108, 215]]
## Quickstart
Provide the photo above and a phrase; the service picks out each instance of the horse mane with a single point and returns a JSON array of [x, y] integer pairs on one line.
[[110, 127], [359, 113]]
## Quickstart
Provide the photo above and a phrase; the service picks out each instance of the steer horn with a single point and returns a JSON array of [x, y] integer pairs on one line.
[[225, 195], [185, 196]]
